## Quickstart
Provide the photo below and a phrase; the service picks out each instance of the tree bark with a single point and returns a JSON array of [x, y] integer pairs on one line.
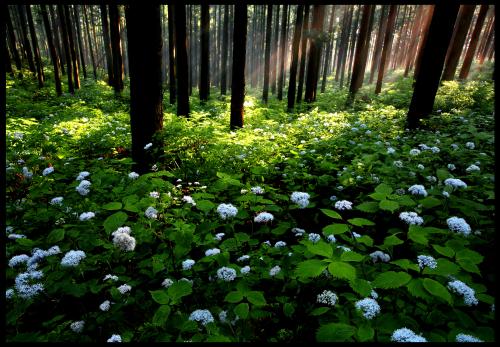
[[26, 42], [79, 38], [181, 61], [52, 49], [58, 40], [267, 63], [423, 38], [295, 57], [72, 48], [107, 44], [65, 44], [204, 73], [328, 52], [433, 55], [171, 54], [387, 46], [225, 34], [378, 43], [303, 53], [275, 55], [36, 49], [353, 41], [114, 25], [239, 57], [89, 39], [489, 38], [471, 50], [410, 56], [343, 61], [314, 53], [12, 43]]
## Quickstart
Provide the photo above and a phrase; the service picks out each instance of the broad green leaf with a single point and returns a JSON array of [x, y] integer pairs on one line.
[[179, 289], [335, 332], [331, 213], [281, 229], [365, 333], [416, 288], [391, 279], [115, 221], [233, 297], [392, 240], [383, 189], [342, 270], [335, 229], [468, 266], [160, 296], [361, 286], [430, 202], [377, 196], [158, 263], [470, 255], [360, 222], [319, 311], [161, 315], [351, 256], [242, 310], [368, 207], [405, 264], [366, 240], [321, 248], [310, 268], [442, 174], [388, 205], [446, 251], [437, 289], [444, 268], [288, 309], [55, 235], [204, 205], [115, 205], [418, 236], [256, 298]]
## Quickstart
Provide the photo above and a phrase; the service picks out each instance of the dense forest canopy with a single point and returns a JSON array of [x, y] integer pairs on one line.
[[235, 173]]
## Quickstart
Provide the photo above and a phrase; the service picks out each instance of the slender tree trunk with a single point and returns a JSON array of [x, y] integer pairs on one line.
[[124, 44], [350, 16], [225, 34], [8, 66], [189, 45], [93, 26], [269, 24], [239, 57], [26, 42], [52, 49], [484, 38], [107, 44], [281, 64], [488, 38], [274, 56], [410, 57], [12, 42], [314, 53], [36, 50], [74, 57], [204, 73], [230, 45], [303, 53], [387, 46], [181, 61], [89, 40], [295, 57], [378, 43], [146, 94], [171, 55], [423, 38], [65, 44], [79, 39], [328, 52], [471, 50], [353, 41], [395, 49], [58, 40], [114, 26]]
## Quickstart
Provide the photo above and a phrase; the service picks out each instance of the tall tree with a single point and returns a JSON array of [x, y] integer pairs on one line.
[[171, 54], [314, 53], [345, 44], [26, 43], [488, 43], [353, 41], [204, 73], [52, 49], [281, 64], [65, 44], [423, 37], [181, 62], [295, 57], [378, 43], [303, 53], [433, 55], [239, 58], [462, 25], [471, 50], [114, 25], [387, 47], [36, 50], [89, 40], [107, 44], [58, 40], [274, 56], [225, 34], [79, 38], [410, 56], [146, 94], [72, 48], [329, 47], [12, 43], [267, 63]]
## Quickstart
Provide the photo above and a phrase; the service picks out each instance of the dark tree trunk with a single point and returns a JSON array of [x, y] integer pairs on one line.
[[181, 61], [65, 44], [303, 53], [433, 55], [225, 29], [56, 27], [328, 52], [314, 53], [345, 46], [89, 39], [171, 54], [471, 50], [204, 73], [274, 56], [8, 66], [36, 50], [457, 41], [395, 49], [52, 49], [267, 63], [378, 43], [26, 42], [93, 26], [12, 43], [387, 47], [79, 37], [123, 41], [146, 94], [410, 57], [488, 38], [423, 38], [71, 40], [189, 45], [281, 68], [107, 44], [114, 25], [295, 57], [230, 45], [239, 57], [353, 41]]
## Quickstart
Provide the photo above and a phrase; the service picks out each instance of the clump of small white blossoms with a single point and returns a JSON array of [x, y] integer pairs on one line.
[[123, 240], [298, 231], [467, 338], [280, 244], [423, 147], [18, 135], [426, 260], [24, 288], [202, 316], [417, 189], [57, 201], [167, 282], [459, 225], [314, 238], [151, 213], [83, 187], [420, 167], [398, 164], [243, 258], [431, 179], [226, 274], [451, 167], [263, 217], [374, 294], [300, 198], [380, 256], [445, 194], [189, 200], [274, 271], [48, 171], [473, 168], [411, 218], [73, 258], [226, 211], [327, 297], [257, 190], [110, 277], [82, 175], [28, 174], [105, 306], [115, 338], [435, 149], [369, 307], [455, 183], [470, 145], [133, 175], [187, 264], [212, 251], [406, 335], [467, 292], [391, 150], [414, 151], [155, 195], [223, 316], [148, 146], [77, 326], [343, 205], [454, 146], [18, 259], [124, 288], [331, 238], [86, 216], [219, 236]]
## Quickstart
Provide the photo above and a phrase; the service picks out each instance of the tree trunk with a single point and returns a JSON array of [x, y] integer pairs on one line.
[[269, 24], [93, 26], [89, 39], [146, 94], [239, 57], [181, 61], [114, 25], [471, 50], [487, 43], [314, 53], [52, 49], [274, 57], [378, 43], [12, 43], [72, 48], [65, 44], [328, 52], [171, 54], [79, 38], [26, 42], [225, 29], [295, 58], [107, 44], [423, 38], [410, 56], [347, 29], [58, 40], [124, 47], [281, 69], [303, 53], [204, 73], [34, 44], [387, 46], [433, 55], [353, 41], [457, 41]]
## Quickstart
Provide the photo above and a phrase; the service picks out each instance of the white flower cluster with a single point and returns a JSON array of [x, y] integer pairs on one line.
[[459, 225], [390, 150], [411, 218], [57, 201], [420, 167], [212, 251], [314, 238], [435, 149], [115, 338], [257, 190], [23, 286], [189, 200], [123, 240], [414, 151], [274, 271], [151, 213], [331, 238], [48, 171], [219, 236], [423, 147], [133, 175], [380, 256], [124, 288], [298, 231], [398, 164], [110, 277], [83, 187], [426, 260], [300, 198], [467, 338], [202, 316], [244, 270], [455, 183], [406, 335], [473, 168], [467, 292], [226, 211], [82, 175], [148, 146], [73, 258], [327, 297], [369, 306], [374, 294], [105, 306], [18, 259], [417, 189], [431, 179], [343, 205], [226, 274], [77, 326], [187, 264], [155, 195], [86, 216], [451, 167], [470, 145], [28, 174], [243, 258], [18, 135], [167, 282], [280, 244], [263, 217]]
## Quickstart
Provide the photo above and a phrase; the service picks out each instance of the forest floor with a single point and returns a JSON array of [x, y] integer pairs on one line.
[[350, 237]]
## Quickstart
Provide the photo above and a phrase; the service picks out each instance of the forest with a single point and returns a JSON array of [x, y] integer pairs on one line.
[[249, 172]]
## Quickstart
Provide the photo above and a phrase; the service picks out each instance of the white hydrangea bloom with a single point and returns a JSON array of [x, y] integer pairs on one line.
[[344, 248], [263, 217], [327, 297], [420, 167], [406, 335], [455, 183], [411, 218], [151, 213], [223, 316], [77, 326], [48, 171], [110, 277], [467, 292], [212, 251], [148, 146], [86, 216], [226, 274], [451, 167], [423, 147], [72, 258], [16, 236], [374, 294], [280, 244], [18, 259], [417, 189], [300, 198], [28, 174], [25, 289], [167, 282], [343, 205], [219, 236], [331, 238], [244, 270], [123, 240], [202, 316], [467, 338], [431, 179], [333, 198], [426, 260], [57, 201], [369, 307], [414, 152], [124, 288], [473, 168], [380, 256], [470, 145], [445, 194], [398, 164], [187, 264], [155, 195], [391, 150], [298, 231], [133, 175], [189, 200], [226, 211], [83, 187], [105, 306], [314, 238], [257, 190], [115, 338], [9, 293], [435, 149], [459, 225], [274, 271], [82, 175]]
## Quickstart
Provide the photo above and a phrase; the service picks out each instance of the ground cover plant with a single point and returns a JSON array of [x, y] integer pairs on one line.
[[330, 223]]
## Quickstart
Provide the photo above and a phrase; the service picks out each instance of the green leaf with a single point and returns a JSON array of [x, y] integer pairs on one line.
[[405, 264], [442, 174], [342, 270], [161, 315], [335, 332], [377, 196], [158, 263], [351, 256], [319, 311], [444, 268], [25, 242], [416, 288], [335, 229], [437, 289], [160, 296], [468, 266], [256, 298], [234, 297], [55, 235], [391, 279], [115, 221], [204, 205], [281, 228], [112, 205], [288, 309], [179, 289], [361, 286], [365, 333], [321, 248], [383, 188], [388, 205], [418, 236], [310, 268], [331, 213], [446, 251], [366, 240], [368, 207], [430, 202], [360, 222], [392, 240], [469, 255], [242, 310]]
